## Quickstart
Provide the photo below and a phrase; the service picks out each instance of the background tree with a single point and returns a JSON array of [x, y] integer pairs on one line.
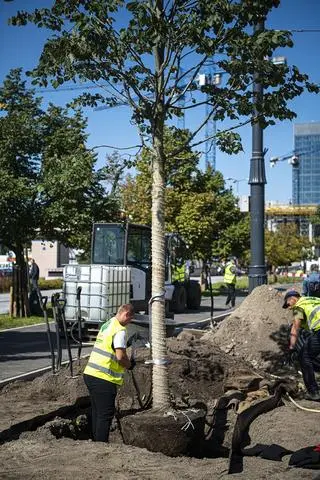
[[315, 220], [49, 188], [203, 212], [197, 204], [285, 245], [150, 60], [235, 239]]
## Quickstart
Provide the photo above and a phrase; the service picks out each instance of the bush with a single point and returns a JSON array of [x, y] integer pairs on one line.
[[54, 284]]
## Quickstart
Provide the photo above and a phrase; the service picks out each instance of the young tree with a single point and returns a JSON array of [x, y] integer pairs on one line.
[[49, 188], [149, 54]]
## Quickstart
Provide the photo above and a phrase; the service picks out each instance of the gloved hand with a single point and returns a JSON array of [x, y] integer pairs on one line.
[[290, 357], [133, 364]]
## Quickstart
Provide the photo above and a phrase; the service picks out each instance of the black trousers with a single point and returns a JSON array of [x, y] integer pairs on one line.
[[308, 361], [103, 397], [231, 297]]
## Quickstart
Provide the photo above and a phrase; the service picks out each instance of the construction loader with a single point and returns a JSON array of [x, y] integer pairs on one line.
[[120, 272]]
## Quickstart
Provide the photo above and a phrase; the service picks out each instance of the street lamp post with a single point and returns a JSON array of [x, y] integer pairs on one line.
[[257, 181]]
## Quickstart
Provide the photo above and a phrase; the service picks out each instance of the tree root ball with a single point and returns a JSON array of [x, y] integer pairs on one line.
[[179, 433]]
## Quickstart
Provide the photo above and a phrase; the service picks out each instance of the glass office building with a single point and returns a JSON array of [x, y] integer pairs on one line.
[[306, 172]]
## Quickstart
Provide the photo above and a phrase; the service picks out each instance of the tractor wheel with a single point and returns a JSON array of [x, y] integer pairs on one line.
[[179, 299], [193, 295]]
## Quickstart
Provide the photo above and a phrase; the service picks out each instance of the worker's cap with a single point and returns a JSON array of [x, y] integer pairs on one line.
[[290, 293]]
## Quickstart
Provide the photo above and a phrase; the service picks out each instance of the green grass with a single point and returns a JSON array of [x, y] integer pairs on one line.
[[242, 284], [219, 288], [7, 322], [284, 279]]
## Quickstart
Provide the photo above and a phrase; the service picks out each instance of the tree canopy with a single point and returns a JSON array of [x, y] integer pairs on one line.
[[49, 187], [150, 54], [285, 245]]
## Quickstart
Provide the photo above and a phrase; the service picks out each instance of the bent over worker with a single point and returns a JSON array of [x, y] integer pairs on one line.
[[105, 370], [306, 313]]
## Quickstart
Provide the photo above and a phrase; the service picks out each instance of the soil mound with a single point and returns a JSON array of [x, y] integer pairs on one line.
[[257, 330]]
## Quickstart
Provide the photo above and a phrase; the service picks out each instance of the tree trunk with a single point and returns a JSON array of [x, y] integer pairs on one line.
[[20, 307], [161, 394]]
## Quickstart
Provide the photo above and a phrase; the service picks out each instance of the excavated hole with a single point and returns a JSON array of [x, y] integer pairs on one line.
[[76, 426], [74, 422]]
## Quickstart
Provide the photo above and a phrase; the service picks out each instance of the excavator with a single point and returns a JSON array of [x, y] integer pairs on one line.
[[120, 272]]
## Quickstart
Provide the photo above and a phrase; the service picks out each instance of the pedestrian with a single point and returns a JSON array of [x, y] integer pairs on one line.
[[105, 370], [304, 343], [311, 284], [230, 281], [34, 274], [299, 273]]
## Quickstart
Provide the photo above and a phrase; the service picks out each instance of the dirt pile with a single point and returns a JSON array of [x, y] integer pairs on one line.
[[197, 373], [257, 330]]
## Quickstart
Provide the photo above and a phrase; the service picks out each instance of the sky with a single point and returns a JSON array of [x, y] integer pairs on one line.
[[22, 46]]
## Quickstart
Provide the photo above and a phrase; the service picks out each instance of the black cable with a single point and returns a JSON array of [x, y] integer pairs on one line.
[[56, 321]]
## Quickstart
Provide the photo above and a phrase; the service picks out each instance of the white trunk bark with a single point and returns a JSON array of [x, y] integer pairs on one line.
[[161, 394]]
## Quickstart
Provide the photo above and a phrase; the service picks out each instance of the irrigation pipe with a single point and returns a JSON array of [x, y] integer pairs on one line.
[[314, 410]]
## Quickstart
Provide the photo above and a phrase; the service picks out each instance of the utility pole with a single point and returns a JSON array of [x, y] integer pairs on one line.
[[257, 181]]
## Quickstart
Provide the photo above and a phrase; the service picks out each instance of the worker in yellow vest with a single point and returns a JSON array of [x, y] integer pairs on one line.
[[230, 281], [178, 272], [304, 344], [105, 370]]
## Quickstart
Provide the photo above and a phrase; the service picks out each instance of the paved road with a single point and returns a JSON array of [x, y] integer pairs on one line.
[[26, 349], [4, 300]]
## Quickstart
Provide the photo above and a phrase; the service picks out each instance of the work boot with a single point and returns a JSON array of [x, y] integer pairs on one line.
[[315, 396]]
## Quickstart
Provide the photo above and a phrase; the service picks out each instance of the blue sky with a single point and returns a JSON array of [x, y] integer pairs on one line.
[[20, 47]]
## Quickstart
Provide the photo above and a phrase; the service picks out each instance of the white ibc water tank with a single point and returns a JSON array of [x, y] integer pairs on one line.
[[103, 289]]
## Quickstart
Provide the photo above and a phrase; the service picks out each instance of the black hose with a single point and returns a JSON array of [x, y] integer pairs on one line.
[[56, 320], [208, 274], [61, 304], [79, 322], [43, 305], [240, 437]]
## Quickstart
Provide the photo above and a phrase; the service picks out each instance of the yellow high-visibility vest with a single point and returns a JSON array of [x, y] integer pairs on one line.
[[310, 306], [229, 277], [178, 273], [103, 362]]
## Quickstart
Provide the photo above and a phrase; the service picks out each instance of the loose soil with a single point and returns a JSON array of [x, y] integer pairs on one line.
[[213, 371]]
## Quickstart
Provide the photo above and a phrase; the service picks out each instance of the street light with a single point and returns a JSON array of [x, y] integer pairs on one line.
[[291, 157], [237, 181], [257, 180]]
